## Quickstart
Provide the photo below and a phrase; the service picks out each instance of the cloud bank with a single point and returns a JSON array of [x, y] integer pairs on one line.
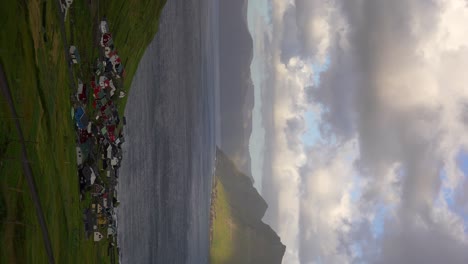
[[383, 184]]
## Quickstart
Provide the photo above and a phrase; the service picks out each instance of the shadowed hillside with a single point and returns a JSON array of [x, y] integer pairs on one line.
[[239, 235], [237, 95]]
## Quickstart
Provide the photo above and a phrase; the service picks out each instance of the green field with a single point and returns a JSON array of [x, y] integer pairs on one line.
[[32, 55], [231, 241], [222, 245]]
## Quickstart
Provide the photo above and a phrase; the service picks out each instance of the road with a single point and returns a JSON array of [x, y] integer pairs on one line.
[[27, 168]]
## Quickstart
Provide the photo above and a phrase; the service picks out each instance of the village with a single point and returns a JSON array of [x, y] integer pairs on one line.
[[99, 138]]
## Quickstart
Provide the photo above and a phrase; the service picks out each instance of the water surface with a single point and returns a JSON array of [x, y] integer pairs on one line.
[[165, 178]]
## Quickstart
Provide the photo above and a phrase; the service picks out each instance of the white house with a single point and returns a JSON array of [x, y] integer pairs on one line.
[[96, 208], [79, 156], [114, 161], [110, 231], [104, 27], [75, 57], [109, 152], [97, 236]]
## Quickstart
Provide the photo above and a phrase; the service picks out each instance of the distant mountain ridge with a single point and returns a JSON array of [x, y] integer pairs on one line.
[[245, 238], [237, 94]]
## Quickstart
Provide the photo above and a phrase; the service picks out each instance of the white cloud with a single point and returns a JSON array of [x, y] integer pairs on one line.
[[288, 156], [397, 89], [326, 206]]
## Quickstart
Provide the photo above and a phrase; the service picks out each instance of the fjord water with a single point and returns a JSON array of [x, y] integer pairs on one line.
[[166, 173]]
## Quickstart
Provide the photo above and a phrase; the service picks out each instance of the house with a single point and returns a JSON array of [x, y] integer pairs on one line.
[[79, 156], [115, 161], [97, 189], [107, 67], [116, 64], [107, 113], [81, 94], [89, 175], [102, 220], [96, 208], [89, 220], [104, 202], [104, 27], [86, 148], [107, 84], [111, 133], [111, 231], [81, 119], [122, 94], [94, 130], [84, 135], [74, 55], [103, 81], [108, 51], [89, 128], [97, 236], [110, 173], [82, 182], [120, 140], [109, 151], [111, 88], [100, 68], [118, 69], [106, 40], [104, 131]]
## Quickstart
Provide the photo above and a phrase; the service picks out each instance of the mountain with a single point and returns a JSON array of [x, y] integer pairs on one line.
[[239, 235], [236, 94]]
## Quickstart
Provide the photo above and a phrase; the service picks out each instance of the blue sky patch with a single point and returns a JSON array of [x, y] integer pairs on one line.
[[378, 223], [462, 161]]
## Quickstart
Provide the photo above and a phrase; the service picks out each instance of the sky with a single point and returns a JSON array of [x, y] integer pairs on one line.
[[359, 141]]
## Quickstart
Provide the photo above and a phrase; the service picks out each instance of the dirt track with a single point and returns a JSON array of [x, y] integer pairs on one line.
[[27, 168]]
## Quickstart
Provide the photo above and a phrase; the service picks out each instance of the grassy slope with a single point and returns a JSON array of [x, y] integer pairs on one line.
[[221, 249], [35, 66], [231, 238]]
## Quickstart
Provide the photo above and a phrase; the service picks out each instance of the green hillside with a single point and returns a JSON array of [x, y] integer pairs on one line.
[[238, 233], [33, 56]]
